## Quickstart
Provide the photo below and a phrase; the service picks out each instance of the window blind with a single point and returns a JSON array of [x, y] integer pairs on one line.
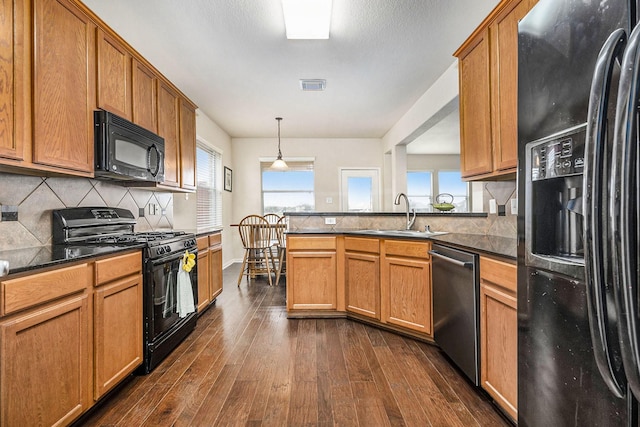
[[209, 190]]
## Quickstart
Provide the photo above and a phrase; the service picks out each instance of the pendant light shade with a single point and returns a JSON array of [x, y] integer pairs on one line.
[[279, 164]]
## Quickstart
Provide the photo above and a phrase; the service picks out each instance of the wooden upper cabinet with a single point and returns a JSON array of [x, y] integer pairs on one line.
[[168, 129], [15, 76], [488, 67], [475, 109], [503, 33], [187, 145], [114, 76], [63, 86], [144, 96]]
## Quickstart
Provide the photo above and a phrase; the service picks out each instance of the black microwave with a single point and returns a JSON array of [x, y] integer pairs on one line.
[[126, 151]]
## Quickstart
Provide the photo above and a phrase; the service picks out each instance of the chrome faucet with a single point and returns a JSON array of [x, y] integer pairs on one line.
[[413, 211]]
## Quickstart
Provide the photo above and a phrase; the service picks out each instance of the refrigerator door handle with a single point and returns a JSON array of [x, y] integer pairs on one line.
[[623, 202], [595, 147]]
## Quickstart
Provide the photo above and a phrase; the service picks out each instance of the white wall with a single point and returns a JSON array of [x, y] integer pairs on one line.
[[329, 154], [184, 206]]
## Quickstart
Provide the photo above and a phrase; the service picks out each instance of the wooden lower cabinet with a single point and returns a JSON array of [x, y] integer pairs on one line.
[[67, 336], [209, 269], [499, 333], [362, 276], [204, 295], [406, 288], [117, 332], [44, 364], [312, 273]]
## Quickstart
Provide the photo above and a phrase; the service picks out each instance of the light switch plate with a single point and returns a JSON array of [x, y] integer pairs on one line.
[[514, 206], [329, 200], [493, 207], [330, 221]]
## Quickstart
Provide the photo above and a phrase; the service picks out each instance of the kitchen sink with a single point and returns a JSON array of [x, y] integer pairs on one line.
[[396, 233]]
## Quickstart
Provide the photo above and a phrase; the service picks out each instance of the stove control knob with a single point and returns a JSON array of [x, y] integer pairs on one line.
[[167, 249], [160, 250]]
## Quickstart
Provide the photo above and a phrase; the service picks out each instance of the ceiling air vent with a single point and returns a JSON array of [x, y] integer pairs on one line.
[[313, 84]]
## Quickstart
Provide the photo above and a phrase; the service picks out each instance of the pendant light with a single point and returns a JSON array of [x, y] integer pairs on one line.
[[279, 164]]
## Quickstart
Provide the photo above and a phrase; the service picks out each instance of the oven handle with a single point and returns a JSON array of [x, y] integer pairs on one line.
[[172, 257]]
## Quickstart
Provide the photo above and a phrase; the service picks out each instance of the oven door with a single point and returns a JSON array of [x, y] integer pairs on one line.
[[162, 293]]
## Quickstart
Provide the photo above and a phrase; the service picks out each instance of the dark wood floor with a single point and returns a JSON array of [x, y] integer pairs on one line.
[[246, 364]]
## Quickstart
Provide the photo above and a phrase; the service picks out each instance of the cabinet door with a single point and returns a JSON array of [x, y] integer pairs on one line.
[[15, 76], [187, 145], [114, 76], [499, 346], [63, 86], [144, 97], [204, 281], [215, 275], [504, 74], [44, 355], [117, 332], [475, 109], [312, 283], [362, 280], [407, 293], [168, 129]]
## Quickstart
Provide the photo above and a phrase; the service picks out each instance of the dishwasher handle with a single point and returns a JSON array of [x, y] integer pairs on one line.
[[451, 260]]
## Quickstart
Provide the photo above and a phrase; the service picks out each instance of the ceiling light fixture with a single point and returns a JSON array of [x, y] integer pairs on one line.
[[307, 19], [279, 164]]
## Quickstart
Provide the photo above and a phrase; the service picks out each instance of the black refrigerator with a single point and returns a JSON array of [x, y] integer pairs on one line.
[[578, 316]]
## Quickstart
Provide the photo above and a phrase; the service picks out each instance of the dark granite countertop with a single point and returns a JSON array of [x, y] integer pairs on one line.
[[426, 214], [493, 245], [27, 259]]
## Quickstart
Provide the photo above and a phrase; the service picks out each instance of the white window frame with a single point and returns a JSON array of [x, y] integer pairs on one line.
[[376, 189], [265, 163], [211, 219]]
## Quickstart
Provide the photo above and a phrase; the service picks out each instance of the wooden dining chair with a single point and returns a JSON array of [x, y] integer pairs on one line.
[[272, 218], [255, 233], [281, 247]]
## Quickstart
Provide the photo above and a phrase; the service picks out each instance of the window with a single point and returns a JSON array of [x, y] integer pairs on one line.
[[421, 186], [360, 190], [288, 191], [451, 182], [209, 190], [419, 190]]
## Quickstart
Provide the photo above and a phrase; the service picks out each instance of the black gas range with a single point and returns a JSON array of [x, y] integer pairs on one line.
[[166, 324]]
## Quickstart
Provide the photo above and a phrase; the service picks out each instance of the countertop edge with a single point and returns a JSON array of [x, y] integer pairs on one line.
[[504, 247]]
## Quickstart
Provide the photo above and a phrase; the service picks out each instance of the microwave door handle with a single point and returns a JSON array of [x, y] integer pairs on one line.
[[593, 183], [623, 206], [156, 170]]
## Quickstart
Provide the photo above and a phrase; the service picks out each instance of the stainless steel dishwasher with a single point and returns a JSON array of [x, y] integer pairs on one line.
[[456, 307]]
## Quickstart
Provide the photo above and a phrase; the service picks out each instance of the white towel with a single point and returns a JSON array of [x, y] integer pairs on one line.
[[185, 301]]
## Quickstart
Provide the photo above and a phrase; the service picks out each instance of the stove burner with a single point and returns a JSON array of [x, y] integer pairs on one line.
[[144, 237]]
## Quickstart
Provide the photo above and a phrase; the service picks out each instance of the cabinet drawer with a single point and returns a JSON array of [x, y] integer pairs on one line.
[[34, 289], [499, 273], [311, 243], [202, 242], [360, 244], [116, 267], [407, 248], [215, 239]]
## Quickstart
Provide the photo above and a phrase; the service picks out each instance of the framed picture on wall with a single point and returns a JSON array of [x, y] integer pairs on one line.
[[228, 176]]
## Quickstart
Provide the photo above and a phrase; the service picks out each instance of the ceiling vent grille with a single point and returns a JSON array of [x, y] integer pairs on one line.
[[313, 85]]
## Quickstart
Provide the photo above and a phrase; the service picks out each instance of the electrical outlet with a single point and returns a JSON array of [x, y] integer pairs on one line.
[[9, 213], [514, 206], [330, 221], [141, 212], [502, 210], [329, 200]]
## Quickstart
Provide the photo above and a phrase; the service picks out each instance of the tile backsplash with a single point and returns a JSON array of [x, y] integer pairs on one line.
[[36, 197]]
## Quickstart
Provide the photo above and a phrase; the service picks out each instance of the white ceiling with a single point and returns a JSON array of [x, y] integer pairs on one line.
[[232, 59]]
